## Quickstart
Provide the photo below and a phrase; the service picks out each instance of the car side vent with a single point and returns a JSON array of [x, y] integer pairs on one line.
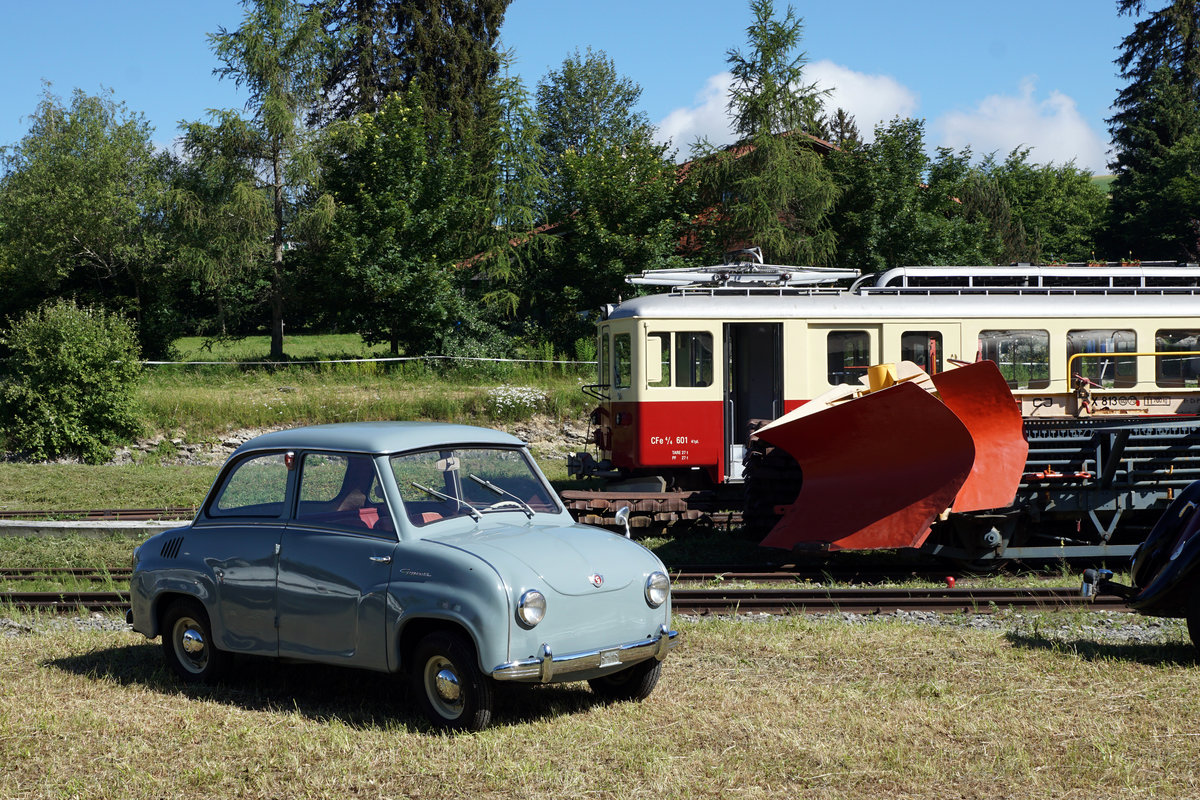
[[170, 548]]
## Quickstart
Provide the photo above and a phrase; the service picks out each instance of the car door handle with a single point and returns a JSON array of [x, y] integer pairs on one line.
[[382, 559]]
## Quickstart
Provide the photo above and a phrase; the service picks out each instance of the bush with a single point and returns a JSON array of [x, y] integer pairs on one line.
[[70, 385]]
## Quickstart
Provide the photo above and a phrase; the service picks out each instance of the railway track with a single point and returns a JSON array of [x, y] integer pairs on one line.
[[727, 601], [102, 514]]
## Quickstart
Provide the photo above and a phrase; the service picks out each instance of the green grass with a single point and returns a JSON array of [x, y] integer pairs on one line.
[[797, 708], [205, 403], [61, 487], [258, 348]]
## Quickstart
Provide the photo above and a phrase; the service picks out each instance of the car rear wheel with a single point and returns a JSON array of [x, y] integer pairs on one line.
[[634, 683], [450, 688], [188, 644]]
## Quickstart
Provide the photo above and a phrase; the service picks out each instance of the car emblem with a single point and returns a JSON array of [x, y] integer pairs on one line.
[[596, 579]]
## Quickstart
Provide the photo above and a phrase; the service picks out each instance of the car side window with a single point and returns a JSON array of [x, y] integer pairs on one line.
[[257, 487], [342, 491]]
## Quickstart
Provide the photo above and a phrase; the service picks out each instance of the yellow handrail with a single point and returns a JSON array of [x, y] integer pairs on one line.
[[1071, 360]]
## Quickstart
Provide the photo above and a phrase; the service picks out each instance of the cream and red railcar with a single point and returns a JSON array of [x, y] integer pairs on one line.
[[1101, 362]]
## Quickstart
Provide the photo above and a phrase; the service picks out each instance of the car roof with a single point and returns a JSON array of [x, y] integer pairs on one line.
[[378, 437]]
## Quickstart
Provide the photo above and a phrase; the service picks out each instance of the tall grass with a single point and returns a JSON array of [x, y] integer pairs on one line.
[[200, 402]]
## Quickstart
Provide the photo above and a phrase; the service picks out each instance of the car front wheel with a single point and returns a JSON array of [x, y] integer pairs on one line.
[[188, 644], [634, 683], [450, 688]]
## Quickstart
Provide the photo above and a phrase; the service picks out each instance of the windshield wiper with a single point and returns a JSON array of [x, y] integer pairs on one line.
[[475, 515], [503, 492]]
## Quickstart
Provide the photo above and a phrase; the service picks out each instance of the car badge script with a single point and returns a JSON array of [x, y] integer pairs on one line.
[[597, 580]]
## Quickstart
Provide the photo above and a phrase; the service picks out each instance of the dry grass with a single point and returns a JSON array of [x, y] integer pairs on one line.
[[798, 707]]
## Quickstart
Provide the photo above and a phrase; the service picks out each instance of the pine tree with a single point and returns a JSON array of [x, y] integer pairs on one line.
[[1155, 208], [772, 188]]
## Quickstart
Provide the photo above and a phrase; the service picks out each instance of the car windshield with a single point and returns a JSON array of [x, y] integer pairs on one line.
[[469, 481]]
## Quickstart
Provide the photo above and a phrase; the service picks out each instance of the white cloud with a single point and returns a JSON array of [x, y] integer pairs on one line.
[[707, 119], [1053, 127], [870, 98]]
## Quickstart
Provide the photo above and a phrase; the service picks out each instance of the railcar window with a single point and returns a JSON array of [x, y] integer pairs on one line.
[[849, 356], [623, 360], [923, 348], [660, 374], [1109, 372], [693, 359], [1022, 356], [605, 359], [1174, 371]]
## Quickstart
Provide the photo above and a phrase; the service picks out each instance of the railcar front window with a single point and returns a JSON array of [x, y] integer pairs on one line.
[[1023, 356], [658, 370], [849, 356], [923, 348], [1107, 371], [623, 360], [693, 359], [605, 359], [1173, 371]]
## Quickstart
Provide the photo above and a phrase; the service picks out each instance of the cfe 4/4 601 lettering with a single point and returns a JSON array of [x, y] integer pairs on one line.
[[673, 440]]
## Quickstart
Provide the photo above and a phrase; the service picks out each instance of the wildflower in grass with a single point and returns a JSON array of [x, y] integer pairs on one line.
[[515, 402]]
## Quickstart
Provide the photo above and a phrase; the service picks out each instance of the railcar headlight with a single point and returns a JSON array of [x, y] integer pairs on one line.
[[531, 608], [658, 587]]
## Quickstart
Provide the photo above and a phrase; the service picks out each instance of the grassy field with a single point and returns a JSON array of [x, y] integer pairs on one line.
[[798, 707]]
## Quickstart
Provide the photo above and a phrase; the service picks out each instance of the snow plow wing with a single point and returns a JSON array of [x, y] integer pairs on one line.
[[878, 468]]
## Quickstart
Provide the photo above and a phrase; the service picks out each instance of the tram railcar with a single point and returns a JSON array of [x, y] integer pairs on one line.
[[1102, 362]]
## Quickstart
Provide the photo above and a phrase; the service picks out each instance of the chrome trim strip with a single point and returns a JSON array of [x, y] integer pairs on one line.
[[546, 666]]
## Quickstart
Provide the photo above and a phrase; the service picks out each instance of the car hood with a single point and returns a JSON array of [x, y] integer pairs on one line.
[[567, 557]]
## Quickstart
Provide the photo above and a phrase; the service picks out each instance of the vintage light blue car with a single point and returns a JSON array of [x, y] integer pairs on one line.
[[435, 550]]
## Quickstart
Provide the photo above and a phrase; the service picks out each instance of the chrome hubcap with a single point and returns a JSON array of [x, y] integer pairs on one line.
[[447, 685], [190, 645], [443, 687]]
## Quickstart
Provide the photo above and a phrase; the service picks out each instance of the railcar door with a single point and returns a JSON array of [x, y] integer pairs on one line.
[[753, 384]]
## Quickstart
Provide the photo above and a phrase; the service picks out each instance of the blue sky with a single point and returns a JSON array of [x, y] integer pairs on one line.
[[993, 76]]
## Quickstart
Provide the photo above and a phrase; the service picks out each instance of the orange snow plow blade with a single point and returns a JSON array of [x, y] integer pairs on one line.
[[980, 398], [879, 469]]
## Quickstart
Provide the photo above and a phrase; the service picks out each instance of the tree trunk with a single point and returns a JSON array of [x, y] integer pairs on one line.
[[277, 266]]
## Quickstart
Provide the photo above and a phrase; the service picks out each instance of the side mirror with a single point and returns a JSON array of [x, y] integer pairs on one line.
[[622, 517]]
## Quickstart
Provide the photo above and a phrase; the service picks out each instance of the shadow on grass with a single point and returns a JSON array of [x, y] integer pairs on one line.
[[357, 698], [1155, 655]]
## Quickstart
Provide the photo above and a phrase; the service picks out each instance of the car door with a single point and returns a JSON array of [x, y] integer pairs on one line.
[[335, 564], [240, 529]]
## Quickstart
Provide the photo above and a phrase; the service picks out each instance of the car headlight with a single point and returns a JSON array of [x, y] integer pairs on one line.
[[531, 608], [658, 587]]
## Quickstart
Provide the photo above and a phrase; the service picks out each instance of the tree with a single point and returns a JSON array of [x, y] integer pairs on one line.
[[446, 47], [626, 216], [1155, 207], [275, 55], [399, 186], [79, 208], [221, 223], [1059, 207], [772, 188], [611, 197], [897, 206], [521, 186], [72, 375]]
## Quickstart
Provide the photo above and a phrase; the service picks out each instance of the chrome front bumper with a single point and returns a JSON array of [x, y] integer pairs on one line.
[[548, 666]]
